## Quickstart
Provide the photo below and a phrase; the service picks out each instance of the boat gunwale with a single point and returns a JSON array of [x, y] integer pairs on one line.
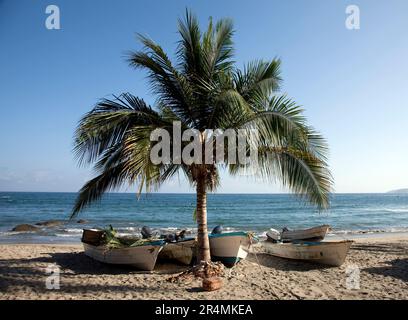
[[158, 243], [315, 243], [229, 234], [308, 229], [307, 243], [181, 241]]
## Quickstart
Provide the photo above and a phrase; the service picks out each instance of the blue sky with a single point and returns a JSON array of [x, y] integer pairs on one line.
[[352, 83]]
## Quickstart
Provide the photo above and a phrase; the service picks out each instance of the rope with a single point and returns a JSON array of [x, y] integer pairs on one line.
[[262, 270]]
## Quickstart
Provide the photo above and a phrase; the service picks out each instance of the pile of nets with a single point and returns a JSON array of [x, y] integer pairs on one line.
[[111, 240], [203, 270]]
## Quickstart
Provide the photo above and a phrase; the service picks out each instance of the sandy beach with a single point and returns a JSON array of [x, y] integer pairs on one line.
[[383, 265]]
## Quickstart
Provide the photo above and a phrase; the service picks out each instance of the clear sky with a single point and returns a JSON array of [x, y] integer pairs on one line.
[[352, 83]]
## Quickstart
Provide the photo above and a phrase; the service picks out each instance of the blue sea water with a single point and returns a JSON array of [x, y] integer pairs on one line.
[[349, 213]]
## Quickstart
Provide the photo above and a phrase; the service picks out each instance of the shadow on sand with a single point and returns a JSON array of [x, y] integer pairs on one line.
[[282, 264], [397, 268], [30, 272], [381, 248]]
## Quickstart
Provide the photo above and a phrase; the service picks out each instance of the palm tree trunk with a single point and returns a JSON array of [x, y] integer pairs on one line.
[[202, 232]]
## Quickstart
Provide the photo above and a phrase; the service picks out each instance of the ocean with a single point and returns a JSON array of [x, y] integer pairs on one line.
[[166, 213]]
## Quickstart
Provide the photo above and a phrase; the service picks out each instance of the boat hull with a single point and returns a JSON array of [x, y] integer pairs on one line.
[[182, 251], [141, 257], [330, 253], [312, 234], [229, 248]]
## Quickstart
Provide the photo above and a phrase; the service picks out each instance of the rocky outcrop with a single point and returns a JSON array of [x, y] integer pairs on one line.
[[24, 228]]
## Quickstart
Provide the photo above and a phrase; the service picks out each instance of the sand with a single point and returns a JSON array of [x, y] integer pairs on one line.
[[382, 262]]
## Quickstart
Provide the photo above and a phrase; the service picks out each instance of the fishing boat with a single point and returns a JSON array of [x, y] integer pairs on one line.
[[142, 256], [230, 247], [182, 251], [312, 234], [327, 252]]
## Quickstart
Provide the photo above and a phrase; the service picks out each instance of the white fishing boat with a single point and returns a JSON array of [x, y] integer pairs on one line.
[[231, 247], [327, 252], [142, 257], [182, 251], [312, 234]]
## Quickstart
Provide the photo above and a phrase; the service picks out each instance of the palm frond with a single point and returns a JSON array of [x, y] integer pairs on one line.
[[217, 47], [258, 80], [105, 126], [189, 47], [95, 188], [171, 87], [305, 175]]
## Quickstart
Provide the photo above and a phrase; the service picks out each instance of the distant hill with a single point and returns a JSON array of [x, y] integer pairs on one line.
[[399, 191]]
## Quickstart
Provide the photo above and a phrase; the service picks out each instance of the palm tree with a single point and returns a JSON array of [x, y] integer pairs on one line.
[[203, 90]]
